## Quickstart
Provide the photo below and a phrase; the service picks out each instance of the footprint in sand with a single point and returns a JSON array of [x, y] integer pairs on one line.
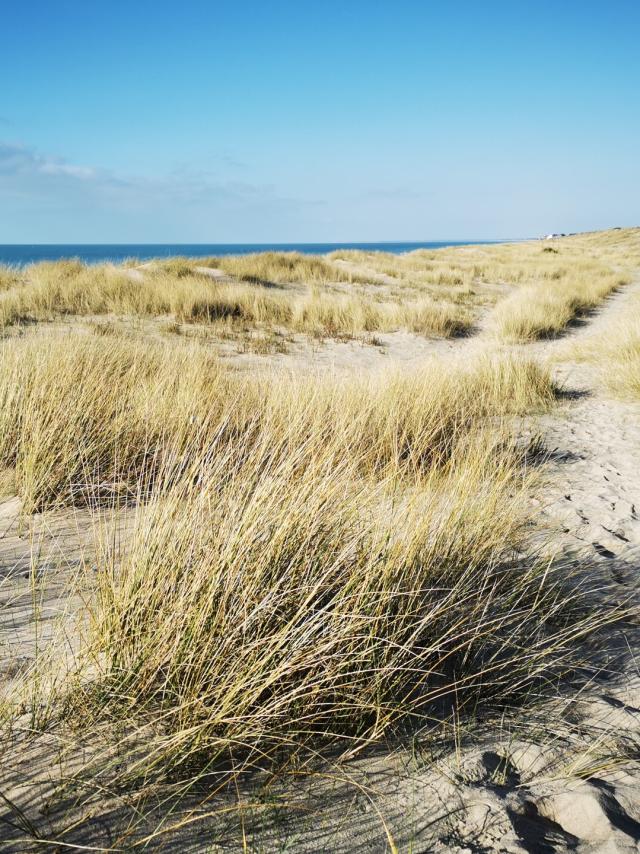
[[602, 551]]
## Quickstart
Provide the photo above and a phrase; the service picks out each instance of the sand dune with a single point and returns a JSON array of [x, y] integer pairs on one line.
[[563, 778]]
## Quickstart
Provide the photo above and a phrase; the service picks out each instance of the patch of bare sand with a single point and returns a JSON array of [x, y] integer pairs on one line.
[[47, 561]]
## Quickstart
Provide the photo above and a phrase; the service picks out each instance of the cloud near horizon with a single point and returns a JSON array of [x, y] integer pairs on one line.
[[36, 184], [17, 159]]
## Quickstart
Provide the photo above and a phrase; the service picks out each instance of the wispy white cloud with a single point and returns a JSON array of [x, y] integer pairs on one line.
[[16, 159], [83, 173], [49, 198], [26, 168]]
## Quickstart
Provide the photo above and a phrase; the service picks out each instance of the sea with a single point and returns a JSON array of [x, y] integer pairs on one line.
[[19, 254]]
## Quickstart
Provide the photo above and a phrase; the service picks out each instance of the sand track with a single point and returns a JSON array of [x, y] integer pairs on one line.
[[592, 502]]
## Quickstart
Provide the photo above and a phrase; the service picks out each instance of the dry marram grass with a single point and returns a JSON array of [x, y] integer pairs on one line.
[[537, 290], [312, 560], [370, 523], [72, 289]]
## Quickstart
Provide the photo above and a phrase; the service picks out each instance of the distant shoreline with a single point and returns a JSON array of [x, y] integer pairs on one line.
[[94, 253]]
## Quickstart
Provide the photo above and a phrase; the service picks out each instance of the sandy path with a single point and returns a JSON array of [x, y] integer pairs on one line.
[[594, 490], [592, 501]]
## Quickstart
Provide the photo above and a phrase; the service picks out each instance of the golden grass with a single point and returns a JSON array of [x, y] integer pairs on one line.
[[622, 360], [548, 284], [332, 315], [438, 293], [314, 559], [81, 410], [503, 263], [544, 310], [10, 277], [283, 601], [279, 268], [72, 289]]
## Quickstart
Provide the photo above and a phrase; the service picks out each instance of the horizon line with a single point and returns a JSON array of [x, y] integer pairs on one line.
[[285, 242]]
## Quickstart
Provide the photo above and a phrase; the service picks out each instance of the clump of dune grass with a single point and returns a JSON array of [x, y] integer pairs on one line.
[[273, 603], [431, 317], [314, 561], [73, 289], [10, 277], [280, 268], [80, 411], [178, 266], [545, 310], [279, 601], [264, 343], [620, 361], [331, 315], [104, 327]]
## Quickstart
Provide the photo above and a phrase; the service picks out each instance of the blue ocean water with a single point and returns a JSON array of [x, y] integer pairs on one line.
[[93, 253]]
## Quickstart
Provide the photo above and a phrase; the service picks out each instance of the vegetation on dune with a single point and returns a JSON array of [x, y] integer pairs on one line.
[[429, 292], [82, 411], [546, 309], [280, 268], [307, 561], [622, 359], [72, 289], [10, 277], [549, 286], [312, 558], [361, 604]]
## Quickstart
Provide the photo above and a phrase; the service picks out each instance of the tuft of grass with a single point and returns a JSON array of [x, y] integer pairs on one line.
[[171, 327], [263, 344], [80, 410], [362, 603], [179, 267], [104, 327], [545, 310], [314, 559], [269, 268], [10, 277]]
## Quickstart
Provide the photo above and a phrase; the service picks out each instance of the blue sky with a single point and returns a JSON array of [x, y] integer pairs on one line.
[[160, 121]]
